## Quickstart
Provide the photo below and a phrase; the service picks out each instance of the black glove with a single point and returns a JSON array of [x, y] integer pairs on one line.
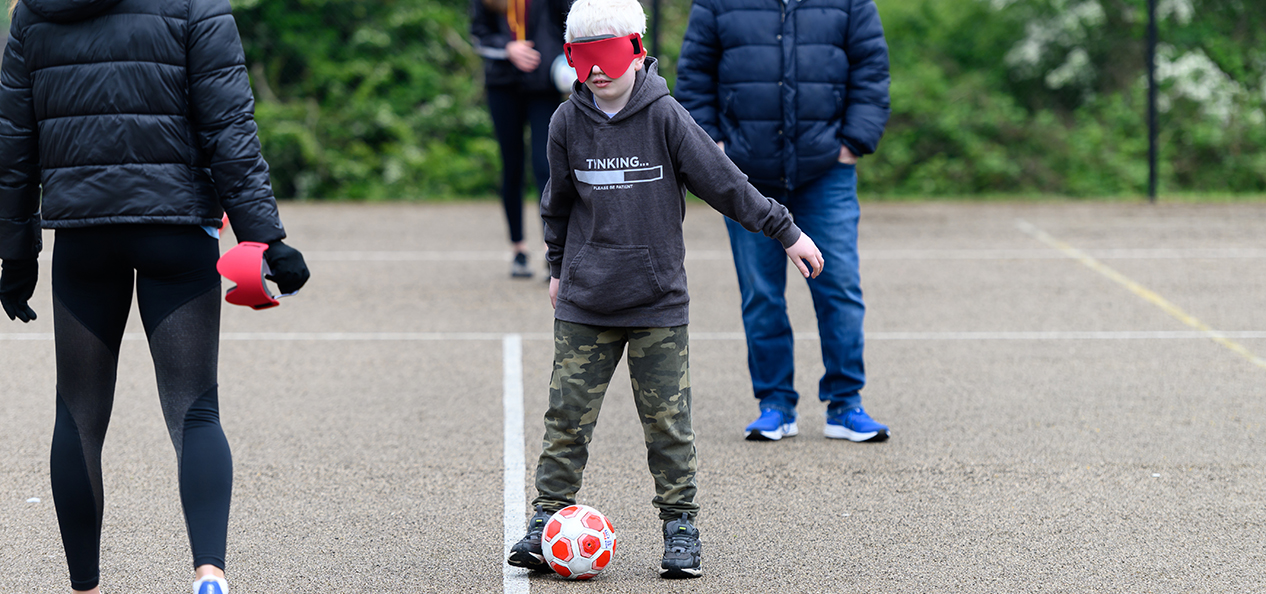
[[286, 267], [17, 284]]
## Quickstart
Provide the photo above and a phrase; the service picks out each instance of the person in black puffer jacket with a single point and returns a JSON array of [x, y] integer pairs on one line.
[[519, 40], [127, 126]]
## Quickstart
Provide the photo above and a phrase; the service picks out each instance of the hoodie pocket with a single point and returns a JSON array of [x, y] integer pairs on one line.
[[608, 278]]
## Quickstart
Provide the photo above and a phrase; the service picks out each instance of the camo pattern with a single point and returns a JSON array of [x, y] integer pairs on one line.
[[585, 358]]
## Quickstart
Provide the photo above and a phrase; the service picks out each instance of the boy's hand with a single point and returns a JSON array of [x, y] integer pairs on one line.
[[805, 250], [553, 292]]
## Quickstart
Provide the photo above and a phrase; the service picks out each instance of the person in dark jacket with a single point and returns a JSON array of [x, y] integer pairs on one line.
[[519, 40], [622, 155], [795, 92], [127, 126]]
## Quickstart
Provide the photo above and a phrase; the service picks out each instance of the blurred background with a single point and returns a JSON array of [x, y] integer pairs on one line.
[[1009, 99]]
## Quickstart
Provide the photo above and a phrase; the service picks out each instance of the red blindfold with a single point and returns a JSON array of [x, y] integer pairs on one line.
[[611, 54]]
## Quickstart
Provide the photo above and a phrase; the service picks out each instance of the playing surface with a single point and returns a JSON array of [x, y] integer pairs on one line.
[[1075, 393]]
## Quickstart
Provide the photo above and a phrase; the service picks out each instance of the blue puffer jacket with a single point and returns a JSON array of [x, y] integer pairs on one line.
[[128, 111], [785, 84]]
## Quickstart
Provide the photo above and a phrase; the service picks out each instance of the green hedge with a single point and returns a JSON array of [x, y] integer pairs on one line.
[[383, 99], [368, 100]]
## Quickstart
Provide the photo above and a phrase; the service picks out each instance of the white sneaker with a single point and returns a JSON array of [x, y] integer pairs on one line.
[[211, 585]]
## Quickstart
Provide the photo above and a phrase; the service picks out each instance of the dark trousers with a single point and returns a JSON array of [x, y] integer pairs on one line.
[[172, 268], [511, 111]]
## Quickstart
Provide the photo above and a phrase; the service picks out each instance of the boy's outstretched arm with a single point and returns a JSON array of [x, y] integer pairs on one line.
[[804, 250], [705, 170]]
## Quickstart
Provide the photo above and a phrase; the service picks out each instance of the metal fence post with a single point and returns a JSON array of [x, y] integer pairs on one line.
[[1151, 101]]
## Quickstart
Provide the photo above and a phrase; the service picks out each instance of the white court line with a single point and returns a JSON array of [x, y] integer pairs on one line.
[[724, 255], [514, 580], [946, 254], [1148, 295], [444, 256], [808, 336]]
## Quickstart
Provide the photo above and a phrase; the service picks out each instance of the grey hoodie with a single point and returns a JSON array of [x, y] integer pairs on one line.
[[616, 199]]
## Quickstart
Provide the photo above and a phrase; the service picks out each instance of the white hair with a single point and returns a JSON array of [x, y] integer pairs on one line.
[[589, 18]]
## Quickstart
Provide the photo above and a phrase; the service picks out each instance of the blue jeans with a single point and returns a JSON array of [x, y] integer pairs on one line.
[[827, 211]]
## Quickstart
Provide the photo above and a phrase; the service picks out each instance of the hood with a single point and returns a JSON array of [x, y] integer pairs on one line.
[[65, 11], [648, 88]]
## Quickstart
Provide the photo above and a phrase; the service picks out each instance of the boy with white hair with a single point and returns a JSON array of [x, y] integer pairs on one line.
[[622, 153]]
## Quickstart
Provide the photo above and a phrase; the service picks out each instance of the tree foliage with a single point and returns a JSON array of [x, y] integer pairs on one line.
[[367, 100], [384, 99], [1049, 96]]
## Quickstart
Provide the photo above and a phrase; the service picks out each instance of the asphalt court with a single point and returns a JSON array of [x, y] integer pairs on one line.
[[1055, 428]]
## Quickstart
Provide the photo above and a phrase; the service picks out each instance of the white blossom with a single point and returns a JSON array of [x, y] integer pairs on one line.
[[1068, 28], [1075, 69], [1181, 10], [1193, 76]]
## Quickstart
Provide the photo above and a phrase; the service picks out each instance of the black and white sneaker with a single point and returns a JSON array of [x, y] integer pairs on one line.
[[681, 550], [527, 552], [519, 266]]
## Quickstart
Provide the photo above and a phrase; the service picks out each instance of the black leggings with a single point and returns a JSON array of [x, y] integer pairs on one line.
[[178, 293], [511, 110]]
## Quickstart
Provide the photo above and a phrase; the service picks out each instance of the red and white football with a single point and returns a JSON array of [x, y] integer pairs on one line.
[[578, 542]]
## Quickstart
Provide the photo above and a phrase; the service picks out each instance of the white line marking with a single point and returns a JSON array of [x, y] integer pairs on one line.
[[406, 256], [1105, 335], [513, 579], [442, 256], [1040, 254], [724, 255], [809, 336], [1142, 292]]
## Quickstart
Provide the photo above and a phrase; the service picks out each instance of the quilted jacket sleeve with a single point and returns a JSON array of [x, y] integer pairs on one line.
[[697, 70], [867, 110], [19, 157], [222, 110]]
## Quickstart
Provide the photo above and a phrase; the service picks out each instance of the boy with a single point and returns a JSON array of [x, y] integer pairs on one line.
[[622, 153]]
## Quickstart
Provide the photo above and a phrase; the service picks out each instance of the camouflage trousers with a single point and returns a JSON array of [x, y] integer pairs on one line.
[[585, 358]]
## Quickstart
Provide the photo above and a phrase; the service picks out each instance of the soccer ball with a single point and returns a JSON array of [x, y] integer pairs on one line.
[[578, 542], [563, 75]]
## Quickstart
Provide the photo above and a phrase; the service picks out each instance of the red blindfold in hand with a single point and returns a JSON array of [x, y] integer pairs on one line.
[[611, 54]]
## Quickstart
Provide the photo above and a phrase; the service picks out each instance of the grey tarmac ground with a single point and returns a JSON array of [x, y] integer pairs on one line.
[[1056, 427]]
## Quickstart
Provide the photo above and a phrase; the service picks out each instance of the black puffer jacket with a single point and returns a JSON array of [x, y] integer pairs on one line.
[[128, 111]]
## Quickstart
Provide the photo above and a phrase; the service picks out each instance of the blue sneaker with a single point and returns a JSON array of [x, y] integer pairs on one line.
[[210, 585], [855, 425], [772, 425]]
